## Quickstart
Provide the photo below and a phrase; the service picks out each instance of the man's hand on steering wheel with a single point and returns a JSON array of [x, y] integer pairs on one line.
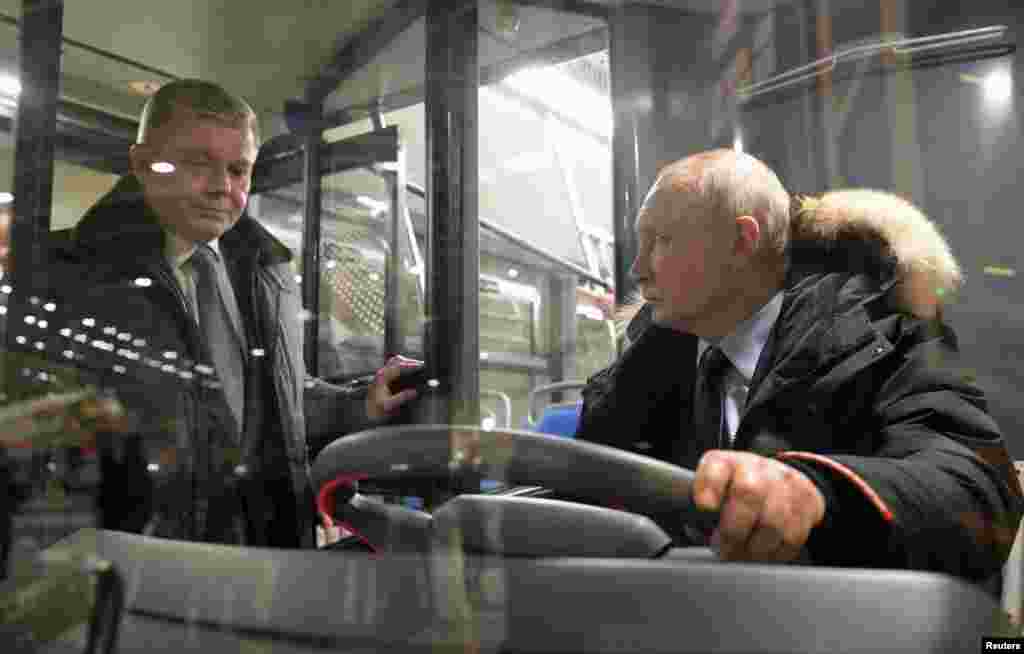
[[767, 509], [380, 400]]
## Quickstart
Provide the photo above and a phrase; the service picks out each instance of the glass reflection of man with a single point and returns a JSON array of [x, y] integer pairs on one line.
[[6, 213], [171, 261]]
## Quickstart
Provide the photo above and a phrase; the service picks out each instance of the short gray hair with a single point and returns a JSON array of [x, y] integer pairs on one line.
[[201, 98], [738, 184]]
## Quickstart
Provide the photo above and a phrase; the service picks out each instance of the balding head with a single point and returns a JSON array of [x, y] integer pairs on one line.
[[712, 235], [731, 184]]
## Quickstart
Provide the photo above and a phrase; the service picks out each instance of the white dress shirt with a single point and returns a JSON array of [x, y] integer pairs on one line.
[[743, 347], [177, 251]]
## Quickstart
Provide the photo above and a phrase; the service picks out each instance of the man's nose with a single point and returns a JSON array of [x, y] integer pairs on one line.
[[638, 271], [219, 181]]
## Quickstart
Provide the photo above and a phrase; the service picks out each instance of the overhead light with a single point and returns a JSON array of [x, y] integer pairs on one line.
[[6, 198], [144, 87], [737, 143], [513, 273], [10, 86], [162, 167]]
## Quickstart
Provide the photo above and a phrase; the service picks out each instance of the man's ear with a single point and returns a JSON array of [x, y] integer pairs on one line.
[[748, 236]]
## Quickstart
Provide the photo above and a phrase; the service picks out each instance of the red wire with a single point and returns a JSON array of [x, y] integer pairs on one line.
[[325, 505]]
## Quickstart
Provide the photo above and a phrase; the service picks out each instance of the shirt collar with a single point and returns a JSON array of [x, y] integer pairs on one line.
[[744, 344], [178, 251]]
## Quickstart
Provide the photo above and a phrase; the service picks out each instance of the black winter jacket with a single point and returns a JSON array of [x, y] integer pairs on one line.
[[113, 285], [854, 390]]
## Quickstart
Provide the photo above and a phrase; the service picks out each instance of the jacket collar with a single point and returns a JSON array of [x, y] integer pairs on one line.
[[122, 221]]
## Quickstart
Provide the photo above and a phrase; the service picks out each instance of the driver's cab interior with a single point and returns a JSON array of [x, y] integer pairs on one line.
[[457, 182]]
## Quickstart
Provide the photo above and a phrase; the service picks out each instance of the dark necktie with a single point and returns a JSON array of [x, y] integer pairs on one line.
[[707, 403], [220, 339]]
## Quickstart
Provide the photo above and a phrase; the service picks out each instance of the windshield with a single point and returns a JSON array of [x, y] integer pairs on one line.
[[470, 205]]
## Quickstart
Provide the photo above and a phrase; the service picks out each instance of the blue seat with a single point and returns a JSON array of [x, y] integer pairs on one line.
[[560, 419]]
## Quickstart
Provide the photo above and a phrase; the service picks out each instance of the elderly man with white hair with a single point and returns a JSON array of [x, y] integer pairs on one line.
[[798, 362]]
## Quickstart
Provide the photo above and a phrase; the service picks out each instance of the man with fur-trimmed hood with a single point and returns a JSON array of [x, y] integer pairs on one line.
[[847, 435]]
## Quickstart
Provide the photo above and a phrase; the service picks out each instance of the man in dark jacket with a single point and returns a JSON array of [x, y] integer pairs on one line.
[[227, 440], [847, 434]]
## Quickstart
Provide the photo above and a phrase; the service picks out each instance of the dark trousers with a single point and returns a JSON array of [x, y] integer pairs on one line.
[[269, 509]]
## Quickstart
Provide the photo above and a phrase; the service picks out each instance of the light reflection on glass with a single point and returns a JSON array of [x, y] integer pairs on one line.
[[997, 87]]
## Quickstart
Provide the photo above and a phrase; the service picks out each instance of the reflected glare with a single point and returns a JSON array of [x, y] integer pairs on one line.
[[997, 87], [162, 167], [143, 281]]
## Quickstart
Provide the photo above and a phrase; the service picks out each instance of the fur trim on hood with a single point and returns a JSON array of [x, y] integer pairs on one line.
[[893, 229], [883, 232]]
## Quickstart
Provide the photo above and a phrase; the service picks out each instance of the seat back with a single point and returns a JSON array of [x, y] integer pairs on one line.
[[560, 419]]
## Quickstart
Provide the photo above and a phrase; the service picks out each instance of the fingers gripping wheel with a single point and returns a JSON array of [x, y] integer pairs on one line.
[[585, 471]]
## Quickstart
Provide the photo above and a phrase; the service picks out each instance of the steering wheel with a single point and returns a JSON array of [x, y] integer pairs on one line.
[[589, 472]]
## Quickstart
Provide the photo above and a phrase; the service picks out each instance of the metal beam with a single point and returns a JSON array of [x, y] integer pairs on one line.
[[283, 167], [362, 48]]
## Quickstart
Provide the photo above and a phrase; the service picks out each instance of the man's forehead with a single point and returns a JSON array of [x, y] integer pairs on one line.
[[667, 202], [196, 132]]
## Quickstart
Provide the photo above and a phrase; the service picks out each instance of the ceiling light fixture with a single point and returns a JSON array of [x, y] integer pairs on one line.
[[144, 88]]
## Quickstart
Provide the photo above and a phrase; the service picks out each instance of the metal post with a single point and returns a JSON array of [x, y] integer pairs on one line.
[[394, 334], [35, 129], [562, 330], [630, 77], [311, 169], [453, 315]]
